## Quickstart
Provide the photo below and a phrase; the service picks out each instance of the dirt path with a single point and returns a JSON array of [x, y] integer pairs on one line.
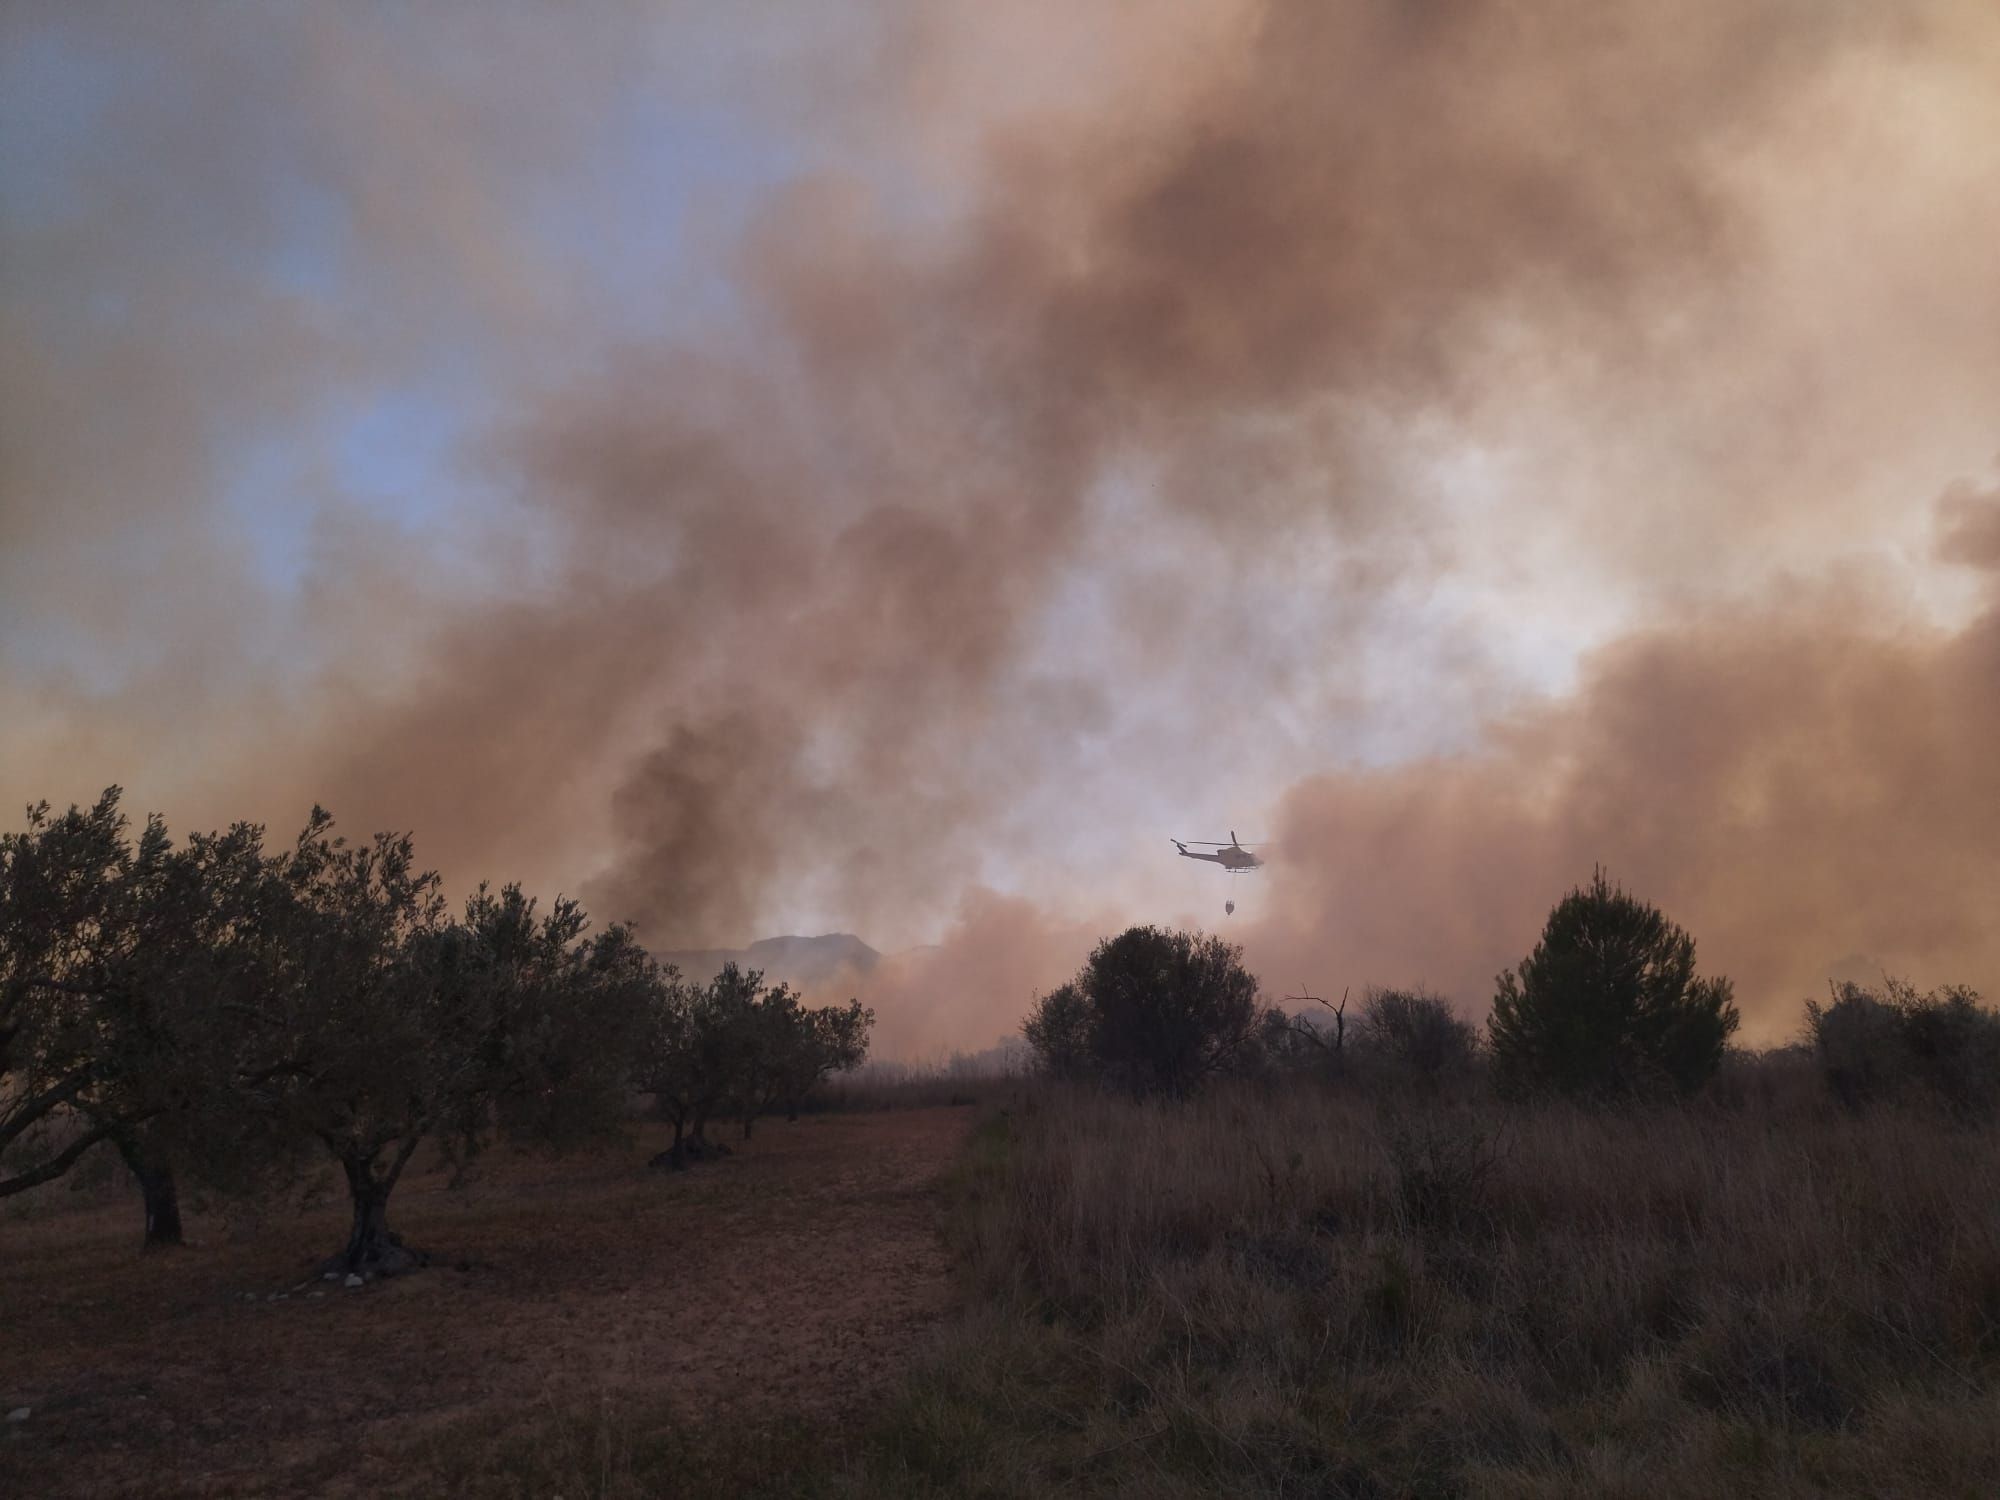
[[796, 1276]]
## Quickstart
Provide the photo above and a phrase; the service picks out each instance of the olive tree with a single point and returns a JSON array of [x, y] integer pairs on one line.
[[196, 914], [119, 962], [664, 1064], [698, 1047], [738, 1044], [65, 1022], [816, 1043], [387, 1025], [796, 1047]]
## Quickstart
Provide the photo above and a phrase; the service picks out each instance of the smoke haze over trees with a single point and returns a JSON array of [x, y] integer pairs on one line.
[[887, 469]]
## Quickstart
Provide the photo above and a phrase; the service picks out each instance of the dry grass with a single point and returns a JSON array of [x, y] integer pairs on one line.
[[994, 1077], [1289, 1290], [1293, 1289]]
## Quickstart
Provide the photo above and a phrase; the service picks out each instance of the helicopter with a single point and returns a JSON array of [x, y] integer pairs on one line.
[[1232, 856]]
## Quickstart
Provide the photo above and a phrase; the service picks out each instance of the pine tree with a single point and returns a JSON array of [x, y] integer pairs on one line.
[[1608, 1004]]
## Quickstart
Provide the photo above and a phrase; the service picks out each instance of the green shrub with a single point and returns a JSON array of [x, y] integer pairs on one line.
[[1416, 1033], [1059, 1030], [1899, 1042], [1152, 1011]]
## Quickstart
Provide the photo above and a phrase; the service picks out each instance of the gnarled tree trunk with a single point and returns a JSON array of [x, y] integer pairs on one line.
[[373, 1249], [693, 1145], [675, 1156], [162, 1196]]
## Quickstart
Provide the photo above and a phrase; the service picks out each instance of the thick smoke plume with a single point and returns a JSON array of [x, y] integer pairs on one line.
[[1057, 444], [1810, 797]]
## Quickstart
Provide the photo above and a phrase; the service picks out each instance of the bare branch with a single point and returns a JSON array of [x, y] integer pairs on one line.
[[58, 1164]]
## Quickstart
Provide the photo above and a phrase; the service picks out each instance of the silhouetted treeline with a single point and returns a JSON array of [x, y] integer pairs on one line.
[[1607, 1007]]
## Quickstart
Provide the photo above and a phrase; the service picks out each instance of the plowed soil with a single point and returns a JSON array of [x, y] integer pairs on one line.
[[797, 1275]]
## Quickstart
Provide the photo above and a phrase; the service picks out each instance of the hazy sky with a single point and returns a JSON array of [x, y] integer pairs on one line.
[[888, 467]]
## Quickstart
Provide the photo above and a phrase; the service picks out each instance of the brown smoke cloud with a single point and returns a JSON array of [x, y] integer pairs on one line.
[[1807, 794], [1813, 794], [975, 519], [1273, 258], [970, 989]]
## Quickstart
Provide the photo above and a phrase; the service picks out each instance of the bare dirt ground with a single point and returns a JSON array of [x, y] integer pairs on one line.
[[796, 1276]]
